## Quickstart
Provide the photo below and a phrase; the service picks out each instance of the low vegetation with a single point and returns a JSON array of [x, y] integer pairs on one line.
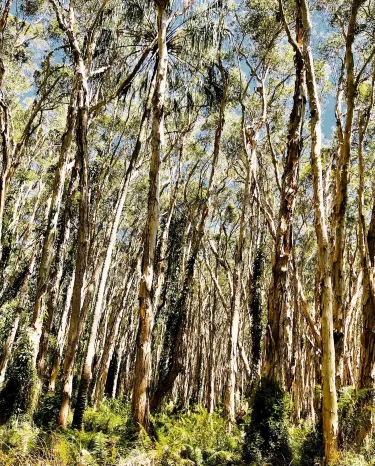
[[179, 438]]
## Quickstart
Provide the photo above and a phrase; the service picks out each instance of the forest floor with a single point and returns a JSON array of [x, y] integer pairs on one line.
[[185, 438]]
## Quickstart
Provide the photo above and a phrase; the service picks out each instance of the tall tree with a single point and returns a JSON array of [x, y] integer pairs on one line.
[[140, 400], [278, 337], [330, 414]]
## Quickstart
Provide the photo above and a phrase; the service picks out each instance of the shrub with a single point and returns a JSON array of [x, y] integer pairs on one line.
[[48, 410], [312, 450], [112, 417], [266, 435], [18, 394]]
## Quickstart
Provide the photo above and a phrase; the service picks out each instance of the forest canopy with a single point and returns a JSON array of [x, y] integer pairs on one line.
[[187, 232]]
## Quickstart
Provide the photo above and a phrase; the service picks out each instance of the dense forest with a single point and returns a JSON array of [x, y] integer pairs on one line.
[[187, 232]]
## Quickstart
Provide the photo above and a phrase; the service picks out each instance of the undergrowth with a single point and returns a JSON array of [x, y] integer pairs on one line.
[[189, 438], [185, 438]]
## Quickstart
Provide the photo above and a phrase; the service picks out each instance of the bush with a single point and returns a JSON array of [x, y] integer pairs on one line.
[[18, 394], [23, 444], [48, 410], [312, 450], [266, 435]]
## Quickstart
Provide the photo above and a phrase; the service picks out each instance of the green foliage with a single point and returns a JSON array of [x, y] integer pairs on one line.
[[18, 434], [112, 417], [18, 394], [103, 443], [100, 448], [48, 410], [190, 438], [22, 443], [196, 438], [32, 7], [266, 435], [256, 308], [7, 313], [355, 408], [353, 459], [312, 449]]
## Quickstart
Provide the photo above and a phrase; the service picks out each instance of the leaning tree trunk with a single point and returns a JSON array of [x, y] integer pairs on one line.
[[110, 340], [4, 124], [82, 250], [330, 414], [367, 358], [8, 345], [140, 399], [56, 276], [366, 377], [35, 329], [61, 335], [367, 253], [90, 352]]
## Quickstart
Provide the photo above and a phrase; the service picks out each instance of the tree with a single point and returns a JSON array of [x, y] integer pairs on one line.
[[140, 400]]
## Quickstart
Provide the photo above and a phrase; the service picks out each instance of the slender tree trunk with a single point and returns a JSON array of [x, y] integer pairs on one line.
[[9, 343], [5, 167], [235, 306], [90, 351], [255, 308], [54, 284], [87, 368], [278, 337], [367, 359], [330, 413], [140, 399], [82, 250], [366, 376], [8, 346], [211, 354], [110, 342], [61, 336], [341, 198], [35, 329], [4, 125], [367, 252]]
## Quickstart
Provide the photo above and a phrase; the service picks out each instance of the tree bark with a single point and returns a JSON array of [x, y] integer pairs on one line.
[[35, 329], [341, 198], [330, 413], [278, 336], [90, 352], [140, 399], [56, 276], [61, 336], [8, 346], [82, 250], [235, 305]]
